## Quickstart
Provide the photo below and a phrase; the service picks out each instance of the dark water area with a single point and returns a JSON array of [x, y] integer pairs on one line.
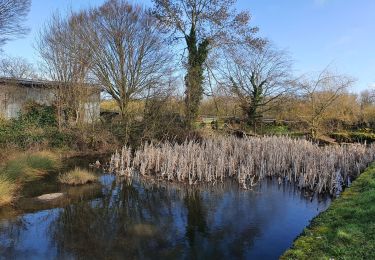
[[140, 219]]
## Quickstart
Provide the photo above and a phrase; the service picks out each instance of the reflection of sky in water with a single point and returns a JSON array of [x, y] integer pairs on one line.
[[27, 236], [147, 221]]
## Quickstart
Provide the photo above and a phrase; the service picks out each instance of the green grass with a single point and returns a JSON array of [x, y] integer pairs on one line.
[[77, 177], [346, 230], [28, 167], [24, 168]]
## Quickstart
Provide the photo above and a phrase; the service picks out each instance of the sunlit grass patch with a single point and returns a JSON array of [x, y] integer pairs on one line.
[[7, 191], [346, 230], [21, 168], [28, 167], [77, 176], [45, 161]]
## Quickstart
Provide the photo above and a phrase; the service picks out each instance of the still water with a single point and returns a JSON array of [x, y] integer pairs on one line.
[[118, 219]]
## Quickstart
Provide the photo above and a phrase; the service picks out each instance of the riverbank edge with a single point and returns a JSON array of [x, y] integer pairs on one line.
[[22, 168], [346, 230], [11, 188]]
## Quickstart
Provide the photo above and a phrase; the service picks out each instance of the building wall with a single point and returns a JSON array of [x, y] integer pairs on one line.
[[14, 97]]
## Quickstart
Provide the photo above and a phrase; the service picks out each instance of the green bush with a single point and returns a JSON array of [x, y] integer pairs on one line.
[[30, 128], [57, 139], [43, 116], [353, 137]]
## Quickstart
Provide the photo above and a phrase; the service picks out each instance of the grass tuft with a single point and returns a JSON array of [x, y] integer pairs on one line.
[[29, 167], [7, 191], [45, 161], [77, 176]]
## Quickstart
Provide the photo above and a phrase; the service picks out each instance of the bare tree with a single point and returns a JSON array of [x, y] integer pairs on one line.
[[203, 24], [367, 97], [12, 15], [321, 91], [66, 61], [258, 78], [129, 58], [17, 67]]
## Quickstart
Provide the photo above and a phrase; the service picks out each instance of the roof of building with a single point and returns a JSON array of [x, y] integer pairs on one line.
[[35, 83]]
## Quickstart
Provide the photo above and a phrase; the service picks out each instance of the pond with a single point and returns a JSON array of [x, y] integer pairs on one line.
[[141, 219]]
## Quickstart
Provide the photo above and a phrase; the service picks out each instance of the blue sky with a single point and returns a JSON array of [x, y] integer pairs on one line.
[[315, 32]]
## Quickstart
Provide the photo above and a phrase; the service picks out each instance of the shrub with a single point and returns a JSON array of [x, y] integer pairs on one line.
[[352, 137], [37, 126], [57, 139], [39, 114], [77, 176], [30, 127]]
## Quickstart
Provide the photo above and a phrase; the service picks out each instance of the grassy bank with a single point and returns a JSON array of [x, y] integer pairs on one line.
[[346, 230], [21, 168]]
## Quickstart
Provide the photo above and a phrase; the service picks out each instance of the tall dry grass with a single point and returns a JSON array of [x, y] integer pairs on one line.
[[249, 160], [7, 191]]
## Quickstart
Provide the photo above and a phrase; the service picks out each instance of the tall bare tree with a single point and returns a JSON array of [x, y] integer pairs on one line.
[[130, 58], [16, 67], [202, 24], [258, 77], [12, 16], [66, 61], [321, 91]]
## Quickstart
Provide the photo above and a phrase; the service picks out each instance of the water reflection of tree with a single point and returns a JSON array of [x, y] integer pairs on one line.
[[230, 238], [132, 222], [196, 219], [10, 232], [146, 221]]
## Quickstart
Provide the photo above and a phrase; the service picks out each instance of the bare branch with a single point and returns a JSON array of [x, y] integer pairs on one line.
[[12, 15]]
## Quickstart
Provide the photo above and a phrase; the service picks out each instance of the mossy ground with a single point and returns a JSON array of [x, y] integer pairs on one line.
[[346, 230]]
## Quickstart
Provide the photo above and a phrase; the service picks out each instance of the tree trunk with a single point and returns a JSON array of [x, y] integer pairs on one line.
[[194, 78]]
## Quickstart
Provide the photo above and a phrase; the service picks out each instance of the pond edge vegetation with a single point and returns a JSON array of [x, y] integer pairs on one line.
[[20, 169], [248, 160], [346, 230], [77, 176]]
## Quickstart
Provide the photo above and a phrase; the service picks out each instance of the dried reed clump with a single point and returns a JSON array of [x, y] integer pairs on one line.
[[320, 169]]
